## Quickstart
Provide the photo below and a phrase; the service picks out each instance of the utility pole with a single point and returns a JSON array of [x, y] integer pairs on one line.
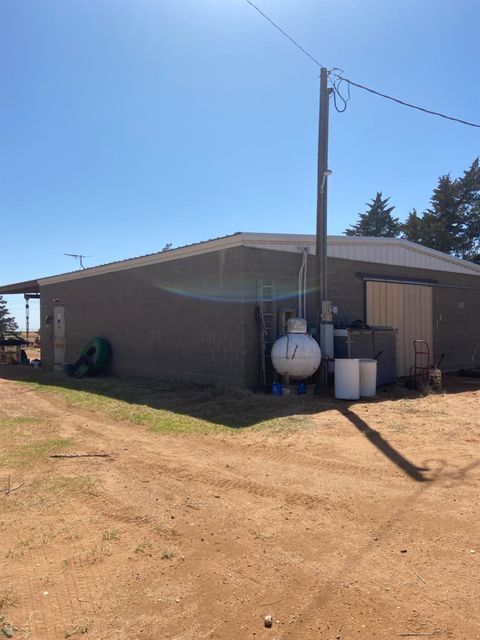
[[322, 173]]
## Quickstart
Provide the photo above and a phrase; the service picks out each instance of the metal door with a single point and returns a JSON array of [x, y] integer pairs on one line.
[[59, 336], [406, 307]]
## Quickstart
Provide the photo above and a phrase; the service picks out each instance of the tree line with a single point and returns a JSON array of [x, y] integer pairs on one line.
[[450, 224]]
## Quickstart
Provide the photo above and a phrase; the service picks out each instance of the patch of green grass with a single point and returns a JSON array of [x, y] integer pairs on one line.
[[130, 404], [24, 427], [169, 422], [167, 555], [165, 407], [65, 486], [12, 423], [30, 453]]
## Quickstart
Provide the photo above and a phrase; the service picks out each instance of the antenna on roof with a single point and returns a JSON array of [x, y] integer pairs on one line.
[[77, 256]]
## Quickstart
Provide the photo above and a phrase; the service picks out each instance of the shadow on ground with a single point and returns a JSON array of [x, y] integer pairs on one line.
[[236, 408]]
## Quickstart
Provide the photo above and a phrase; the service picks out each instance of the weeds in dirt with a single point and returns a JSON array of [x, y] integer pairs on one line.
[[46, 581], [167, 555], [76, 630], [164, 531], [6, 628], [397, 426], [27, 627], [8, 597], [37, 540], [144, 547], [67, 535], [111, 534], [95, 555], [406, 408], [65, 486], [49, 493], [23, 547]]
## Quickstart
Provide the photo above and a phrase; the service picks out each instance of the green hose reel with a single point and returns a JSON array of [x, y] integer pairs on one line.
[[93, 358]]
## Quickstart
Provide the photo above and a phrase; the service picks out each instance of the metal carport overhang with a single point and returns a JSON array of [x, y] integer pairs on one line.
[[28, 286]]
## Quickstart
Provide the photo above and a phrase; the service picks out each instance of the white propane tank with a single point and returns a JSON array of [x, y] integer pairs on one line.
[[296, 354]]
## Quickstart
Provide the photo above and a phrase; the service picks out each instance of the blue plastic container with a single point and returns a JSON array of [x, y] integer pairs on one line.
[[277, 388]]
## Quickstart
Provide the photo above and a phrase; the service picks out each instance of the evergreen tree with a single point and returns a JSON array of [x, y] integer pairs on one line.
[[452, 223], [412, 228], [7, 323], [377, 221]]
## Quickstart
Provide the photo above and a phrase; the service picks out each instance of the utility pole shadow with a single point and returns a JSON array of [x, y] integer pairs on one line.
[[416, 473]]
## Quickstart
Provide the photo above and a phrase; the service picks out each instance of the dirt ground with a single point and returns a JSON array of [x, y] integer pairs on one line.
[[351, 521]]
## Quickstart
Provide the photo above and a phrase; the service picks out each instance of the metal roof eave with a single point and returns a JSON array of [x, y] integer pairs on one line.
[[28, 286], [273, 241]]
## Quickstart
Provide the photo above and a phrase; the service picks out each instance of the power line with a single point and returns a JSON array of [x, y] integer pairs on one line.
[[357, 84], [299, 46], [408, 104]]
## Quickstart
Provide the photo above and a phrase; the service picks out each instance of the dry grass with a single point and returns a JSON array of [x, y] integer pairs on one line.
[[77, 629], [95, 555], [8, 597], [111, 534], [181, 408], [28, 454], [48, 493], [9, 423], [144, 548]]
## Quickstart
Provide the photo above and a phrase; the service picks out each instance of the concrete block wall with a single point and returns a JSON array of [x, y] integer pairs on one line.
[[456, 300], [456, 327], [194, 318], [178, 319]]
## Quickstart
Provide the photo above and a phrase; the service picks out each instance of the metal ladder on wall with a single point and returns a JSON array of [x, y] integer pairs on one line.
[[268, 328]]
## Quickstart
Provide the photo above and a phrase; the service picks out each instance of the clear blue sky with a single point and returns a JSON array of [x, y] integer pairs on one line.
[[127, 124]]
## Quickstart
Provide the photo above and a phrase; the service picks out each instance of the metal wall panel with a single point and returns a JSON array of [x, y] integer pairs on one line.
[[405, 256], [405, 307], [372, 250]]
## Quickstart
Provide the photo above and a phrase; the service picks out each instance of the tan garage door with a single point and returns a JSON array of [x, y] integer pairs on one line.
[[406, 307]]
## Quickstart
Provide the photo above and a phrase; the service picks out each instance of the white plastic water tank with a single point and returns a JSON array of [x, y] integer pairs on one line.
[[347, 378], [368, 377], [296, 354]]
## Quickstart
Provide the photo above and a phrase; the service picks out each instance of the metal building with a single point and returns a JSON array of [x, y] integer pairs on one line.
[[192, 312]]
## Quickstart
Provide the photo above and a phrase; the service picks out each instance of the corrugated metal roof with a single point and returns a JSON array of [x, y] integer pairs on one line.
[[28, 286], [392, 251]]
